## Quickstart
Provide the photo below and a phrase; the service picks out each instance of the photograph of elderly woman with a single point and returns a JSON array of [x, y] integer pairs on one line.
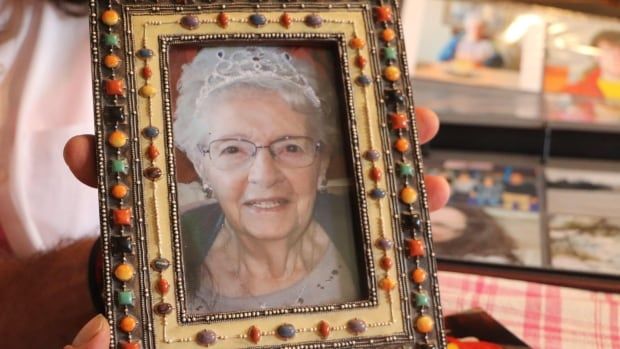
[[266, 208]]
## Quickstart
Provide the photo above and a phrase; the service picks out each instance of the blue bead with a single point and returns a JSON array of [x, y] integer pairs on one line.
[[190, 22], [145, 53], [377, 193], [258, 20], [314, 21], [150, 132], [356, 326], [363, 80], [286, 331], [160, 264]]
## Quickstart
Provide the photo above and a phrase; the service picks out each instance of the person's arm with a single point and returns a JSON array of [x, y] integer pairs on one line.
[[45, 298]]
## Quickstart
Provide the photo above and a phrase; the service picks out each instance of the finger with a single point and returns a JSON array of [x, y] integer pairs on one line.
[[438, 191], [79, 154], [427, 123], [94, 335]]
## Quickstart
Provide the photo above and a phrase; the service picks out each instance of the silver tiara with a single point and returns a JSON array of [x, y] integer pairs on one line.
[[241, 64]]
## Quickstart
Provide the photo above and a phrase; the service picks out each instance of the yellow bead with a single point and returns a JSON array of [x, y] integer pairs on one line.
[[408, 195], [424, 324], [127, 323], [117, 139], [391, 73], [147, 91], [111, 61], [387, 283], [452, 346], [110, 17], [124, 272]]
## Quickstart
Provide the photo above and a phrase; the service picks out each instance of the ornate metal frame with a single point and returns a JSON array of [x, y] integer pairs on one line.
[[144, 280]]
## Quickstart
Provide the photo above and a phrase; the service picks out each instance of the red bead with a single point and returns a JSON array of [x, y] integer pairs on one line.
[[222, 20], [386, 263], [324, 329], [254, 334], [399, 121], [152, 152], [384, 13], [162, 286], [114, 87], [360, 62], [129, 345], [122, 216], [286, 20], [375, 174], [146, 72], [416, 248]]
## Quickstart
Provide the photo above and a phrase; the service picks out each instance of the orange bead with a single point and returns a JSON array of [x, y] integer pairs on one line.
[[357, 43], [418, 275], [112, 61], [254, 334], [122, 216], [360, 62], [119, 191], [152, 152], [391, 73], [375, 174], [127, 323], [416, 248], [114, 87], [222, 19], [286, 20], [388, 35], [324, 329], [383, 13], [408, 195], [402, 145], [117, 139], [162, 286], [387, 283], [110, 17], [124, 272], [399, 121], [424, 324]]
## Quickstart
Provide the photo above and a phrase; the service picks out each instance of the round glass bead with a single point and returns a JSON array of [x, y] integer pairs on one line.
[[372, 155], [388, 35], [356, 326], [153, 173], [206, 338], [286, 331], [258, 20], [408, 195], [146, 72], [162, 308], [418, 275], [391, 73], [150, 132], [387, 284], [147, 91], [402, 145], [324, 329], [144, 53], [111, 61], [377, 193], [286, 20], [127, 323], [386, 263], [360, 61], [152, 152], [375, 174], [363, 80], [189, 22], [117, 139], [357, 42], [124, 272], [162, 286], [160, 264], [424, 324], [119, 191], [254, 334], [385, 244], [222, 19], [313, 21], [110, 17]]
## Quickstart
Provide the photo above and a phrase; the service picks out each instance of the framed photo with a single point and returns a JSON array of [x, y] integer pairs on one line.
[[260, 176]]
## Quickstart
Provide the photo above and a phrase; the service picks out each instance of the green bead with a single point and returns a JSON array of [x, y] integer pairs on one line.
[[111, 40], [125, 298], [421, 299], [389, 54], [405, 169], [119, 166]]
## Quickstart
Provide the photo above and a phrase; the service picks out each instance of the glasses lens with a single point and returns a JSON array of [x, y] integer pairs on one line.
[[229, 153], [294, 152]]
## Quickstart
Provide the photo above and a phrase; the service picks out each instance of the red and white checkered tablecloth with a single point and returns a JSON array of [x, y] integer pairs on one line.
[[544, 316]]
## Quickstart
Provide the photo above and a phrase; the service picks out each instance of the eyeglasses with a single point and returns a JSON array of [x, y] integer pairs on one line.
[[289, 151]]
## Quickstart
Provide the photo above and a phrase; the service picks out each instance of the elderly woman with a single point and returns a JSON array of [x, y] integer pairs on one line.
[[259, 129]]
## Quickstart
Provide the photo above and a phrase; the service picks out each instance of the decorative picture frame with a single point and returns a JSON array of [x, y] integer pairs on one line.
[[143, 56]]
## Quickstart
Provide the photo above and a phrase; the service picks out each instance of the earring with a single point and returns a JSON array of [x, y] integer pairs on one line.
[[208, 190]]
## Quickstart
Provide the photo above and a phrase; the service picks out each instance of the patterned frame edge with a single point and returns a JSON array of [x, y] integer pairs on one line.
[[144, 279]]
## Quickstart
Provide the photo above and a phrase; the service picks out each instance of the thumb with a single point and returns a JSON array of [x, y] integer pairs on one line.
[[94, 335]]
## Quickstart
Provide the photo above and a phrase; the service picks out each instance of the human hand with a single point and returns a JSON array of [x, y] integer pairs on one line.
[[94, 335], [79, 155]]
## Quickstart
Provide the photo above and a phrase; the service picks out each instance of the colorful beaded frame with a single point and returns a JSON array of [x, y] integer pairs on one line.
[[144, 280]]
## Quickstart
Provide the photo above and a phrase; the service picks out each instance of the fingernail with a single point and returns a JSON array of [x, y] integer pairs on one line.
[[90, 330]]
